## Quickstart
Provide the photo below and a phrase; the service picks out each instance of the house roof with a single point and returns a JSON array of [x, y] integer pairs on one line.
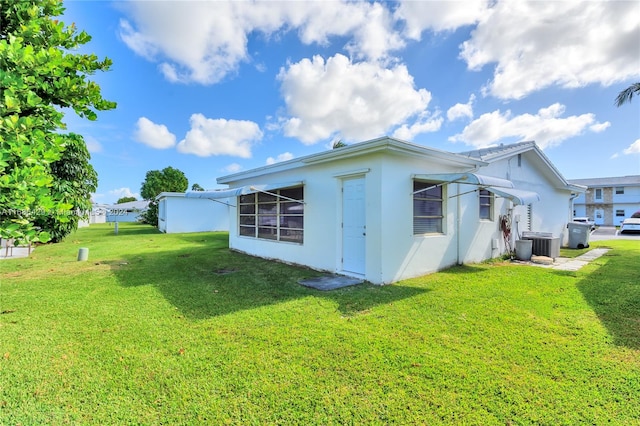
[[501, 152], [169, 194], [131, 205], [494, 153], [383, 144], [633, 180]]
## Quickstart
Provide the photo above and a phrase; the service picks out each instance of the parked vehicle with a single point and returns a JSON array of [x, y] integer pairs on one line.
[[586, 220], [631, 224]]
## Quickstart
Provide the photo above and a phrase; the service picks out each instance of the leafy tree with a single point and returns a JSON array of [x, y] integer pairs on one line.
[[126, 200], [626, 95], [196, 187], [338, 144], [74, 181], [157, 181], [39, 76]]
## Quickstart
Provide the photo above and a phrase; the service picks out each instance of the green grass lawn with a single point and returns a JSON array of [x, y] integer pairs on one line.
[[177, 329]]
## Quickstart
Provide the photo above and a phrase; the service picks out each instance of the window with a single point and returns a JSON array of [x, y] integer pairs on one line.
[[619, 213], [427, 208], [619, 190], [598, 193], [274, 216], [486, 204]]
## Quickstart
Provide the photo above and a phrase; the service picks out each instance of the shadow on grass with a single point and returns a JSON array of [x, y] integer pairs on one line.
[[613, 291], [463, 270], [132, 228], [206, 279]]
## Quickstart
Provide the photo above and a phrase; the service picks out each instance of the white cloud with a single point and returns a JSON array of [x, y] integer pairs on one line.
[[232, 168], [565, 43], [219, 137], [285, 156], [206, 41], [116, 194], [353, 100], [439, 15], [154, 135], [408, 132], [461, 110], [600, 127], [92, 144], [634, 148], [547, 127]]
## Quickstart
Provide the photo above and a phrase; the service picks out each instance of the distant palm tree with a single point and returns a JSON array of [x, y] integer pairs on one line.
[[626, 95], [338, 144]]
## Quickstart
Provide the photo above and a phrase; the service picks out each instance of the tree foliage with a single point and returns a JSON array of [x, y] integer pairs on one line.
[[157, 181], [126, 200], [627, 94], [39, 76], [74, 181], [196, 187]]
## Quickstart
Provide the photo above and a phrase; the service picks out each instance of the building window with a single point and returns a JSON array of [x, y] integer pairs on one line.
[[428, 207], [486, 204], [619, 190], [277, 216], [619, 213], [598, 193]]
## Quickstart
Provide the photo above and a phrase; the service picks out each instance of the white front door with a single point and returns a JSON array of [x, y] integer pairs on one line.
[[353, 226], [599, 216]]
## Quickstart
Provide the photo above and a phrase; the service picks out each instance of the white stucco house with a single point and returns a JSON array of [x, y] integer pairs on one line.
[[386, 210], [126, 212], [176, 213]]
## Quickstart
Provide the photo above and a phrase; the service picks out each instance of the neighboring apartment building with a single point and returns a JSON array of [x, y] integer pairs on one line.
[[608, 201]]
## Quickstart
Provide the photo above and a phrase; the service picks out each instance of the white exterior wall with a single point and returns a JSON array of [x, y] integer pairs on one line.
[[479, 239], [392, 251], [177, 214], [400, 253], [552, 212]]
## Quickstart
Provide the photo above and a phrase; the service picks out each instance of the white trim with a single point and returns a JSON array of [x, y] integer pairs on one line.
[[243, 190], [342, 175]]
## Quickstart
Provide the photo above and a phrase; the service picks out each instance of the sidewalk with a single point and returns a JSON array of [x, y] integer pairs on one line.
[[565, 263]]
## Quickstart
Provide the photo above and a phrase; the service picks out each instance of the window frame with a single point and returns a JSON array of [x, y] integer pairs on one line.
[[272, 215], [597, 194], [437, 187], [490, 196], [619, 190]]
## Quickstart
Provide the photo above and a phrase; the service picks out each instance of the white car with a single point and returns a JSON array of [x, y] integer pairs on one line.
[[631, 224], [586, 220]]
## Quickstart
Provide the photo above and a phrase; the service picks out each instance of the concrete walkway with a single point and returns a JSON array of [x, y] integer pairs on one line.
[[331, 282], [565, 263]]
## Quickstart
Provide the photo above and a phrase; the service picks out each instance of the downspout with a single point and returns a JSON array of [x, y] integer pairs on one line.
[[458, 221]]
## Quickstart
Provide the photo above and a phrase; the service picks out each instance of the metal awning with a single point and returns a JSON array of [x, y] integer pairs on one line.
[[466, 178], [217, 194], [518, 196]]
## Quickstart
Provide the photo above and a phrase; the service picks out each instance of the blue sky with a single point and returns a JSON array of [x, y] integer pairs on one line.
[[213, 88]]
